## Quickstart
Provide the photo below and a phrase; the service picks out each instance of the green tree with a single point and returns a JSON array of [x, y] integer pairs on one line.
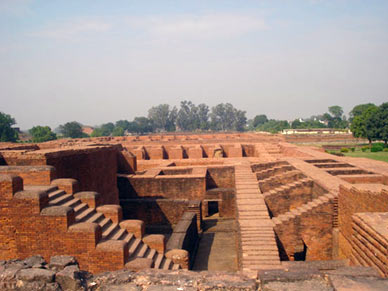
[[335, 118], [118, 131], [274, 126], [297, 124], [97, 132], [162, 117], [71, 129], [366, 124], [42, 134], [225, 117], [259, 120], [107, 128], [141, 125], [203, 115], [359, 109], [382, 122], [188, 117], [124, 124], [7, 133], [336, 111], [240, 120]]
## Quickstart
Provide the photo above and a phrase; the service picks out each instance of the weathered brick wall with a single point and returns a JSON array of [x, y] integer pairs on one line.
[[232, 150], [154, 211], [9, 184], [31, 175], [126, 162], [50, 231], [354, 199], [366, 179], [171, 187], [369, 241], [279, 180], [287, 199], [220, 177], [95, 168], [313, 228], [248, 150]]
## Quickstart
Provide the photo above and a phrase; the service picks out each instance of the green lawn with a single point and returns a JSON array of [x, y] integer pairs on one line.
[[380, 156]]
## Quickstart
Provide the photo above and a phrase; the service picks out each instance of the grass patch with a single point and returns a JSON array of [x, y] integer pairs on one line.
[[358, 153], [380, 156]]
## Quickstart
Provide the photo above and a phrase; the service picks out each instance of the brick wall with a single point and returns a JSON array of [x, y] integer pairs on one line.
[[171, 187], [50, 231], [313, 228], [354, 199], [220, 177], [154, 211], [94, 167], [31, 175], [287, 199]]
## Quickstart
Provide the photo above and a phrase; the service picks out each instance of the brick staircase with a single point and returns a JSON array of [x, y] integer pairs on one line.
[[300, 211], [257, 239], [279, 180], [288, 187], [110, 230], [284, 187], [277, 169]]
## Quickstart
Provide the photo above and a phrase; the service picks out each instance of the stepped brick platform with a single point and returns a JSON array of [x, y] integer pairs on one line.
[[96, 198], [370, 241], [47, 220], [257, 238]]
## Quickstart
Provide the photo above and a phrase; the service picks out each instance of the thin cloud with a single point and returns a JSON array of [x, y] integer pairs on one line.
[[199, 26], [15, 7], [73, 29]]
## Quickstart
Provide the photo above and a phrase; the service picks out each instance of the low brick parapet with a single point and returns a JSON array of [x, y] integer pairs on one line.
[[137, 227], [91, 198], [114, 212], [70, 186]]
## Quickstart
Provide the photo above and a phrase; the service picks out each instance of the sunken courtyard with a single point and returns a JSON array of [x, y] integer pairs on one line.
[[249, 205]]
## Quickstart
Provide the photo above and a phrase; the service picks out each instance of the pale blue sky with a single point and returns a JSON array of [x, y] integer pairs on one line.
[[96, 61]]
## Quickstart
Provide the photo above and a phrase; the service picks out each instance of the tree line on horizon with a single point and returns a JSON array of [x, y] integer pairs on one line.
[[365, 120]]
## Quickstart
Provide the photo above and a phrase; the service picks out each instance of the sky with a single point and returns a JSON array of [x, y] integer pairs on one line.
[[95, 61]]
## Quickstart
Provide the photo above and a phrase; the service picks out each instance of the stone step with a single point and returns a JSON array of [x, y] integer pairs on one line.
[[118, 235], [104, 222], [111, 230], [151, 254], [95, 218], [72, 203], [140, 251], [134, 245], [55, 194], [84, 215], [158, 261], [61, 199], [79, 208], [166, 264]]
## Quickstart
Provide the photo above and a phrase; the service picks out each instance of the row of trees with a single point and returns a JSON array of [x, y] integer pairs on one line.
[[365, 120], [334, 118], [189, 117]]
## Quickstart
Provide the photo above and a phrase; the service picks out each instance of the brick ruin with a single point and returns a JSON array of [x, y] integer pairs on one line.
[[139, 202]]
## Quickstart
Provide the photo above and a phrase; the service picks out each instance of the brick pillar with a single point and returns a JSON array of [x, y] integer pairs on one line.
[[9, 185]]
